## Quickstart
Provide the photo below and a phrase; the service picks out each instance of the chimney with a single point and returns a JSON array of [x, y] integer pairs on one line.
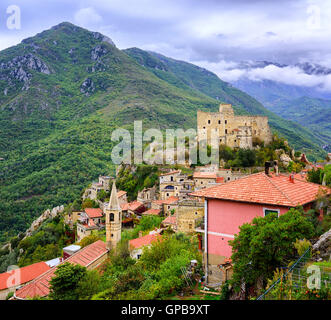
[[291, 177], [140, 234], [267, 166], [276, 167]]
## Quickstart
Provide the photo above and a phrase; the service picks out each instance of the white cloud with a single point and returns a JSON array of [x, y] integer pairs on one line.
[[290, 75], [87, 17]]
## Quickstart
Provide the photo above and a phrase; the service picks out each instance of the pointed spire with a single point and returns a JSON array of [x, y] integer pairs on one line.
[[113, 202]]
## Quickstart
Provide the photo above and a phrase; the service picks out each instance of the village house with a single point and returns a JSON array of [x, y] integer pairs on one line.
[[204, 179], [171, 184], [146, 196], [133, 208], [72, 217], [102, 184], [90, 219], [122, 197], [136, 246], [232, 130], [170, 221], [189, 213], [12, 280], [91, 257], [152, 212], [229, 205]]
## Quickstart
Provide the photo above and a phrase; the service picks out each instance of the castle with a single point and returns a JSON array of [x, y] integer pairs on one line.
[[231, 130]]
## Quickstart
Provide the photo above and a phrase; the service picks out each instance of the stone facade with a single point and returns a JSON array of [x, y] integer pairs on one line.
[[231, 130], [188, 213], [146, 196]]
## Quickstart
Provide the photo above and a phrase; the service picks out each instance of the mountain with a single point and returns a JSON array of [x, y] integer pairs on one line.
[[308, 106], [63, 92], [312, 113], [183, 74]]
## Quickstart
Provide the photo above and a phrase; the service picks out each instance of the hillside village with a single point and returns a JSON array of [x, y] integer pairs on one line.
[[207, 205]]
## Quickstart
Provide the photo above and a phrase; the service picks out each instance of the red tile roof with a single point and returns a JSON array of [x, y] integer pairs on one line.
[[204, 175], [144, 241], [171, 172], [170, 220], [41, 285], [93, 212], [260, 188], [220, 180], [133, 206], [26, 274], [171, 200], [154, 212], [121, 193]]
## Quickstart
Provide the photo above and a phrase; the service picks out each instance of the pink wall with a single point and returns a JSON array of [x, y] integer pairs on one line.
[[225, 217]]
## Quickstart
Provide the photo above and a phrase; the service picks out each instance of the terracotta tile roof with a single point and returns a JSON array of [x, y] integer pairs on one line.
[[133, 206], [204, 175], [121, 193], [26, 274], [170, 220], [41, 286], [260, 188], [220, 180], [144, 241], [159, 202], [171, 200], [171, 172], [93, 212], [154, 212]]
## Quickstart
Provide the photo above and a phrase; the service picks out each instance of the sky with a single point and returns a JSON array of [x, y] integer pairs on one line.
[[215, 34]]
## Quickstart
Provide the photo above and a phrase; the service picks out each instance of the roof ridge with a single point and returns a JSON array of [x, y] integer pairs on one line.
[[55, 267], [282, 192]]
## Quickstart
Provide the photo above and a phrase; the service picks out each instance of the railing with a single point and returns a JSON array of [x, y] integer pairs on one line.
[[302, 259]]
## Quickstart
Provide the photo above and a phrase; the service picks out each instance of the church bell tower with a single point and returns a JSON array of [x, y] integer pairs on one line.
[[113, 220]]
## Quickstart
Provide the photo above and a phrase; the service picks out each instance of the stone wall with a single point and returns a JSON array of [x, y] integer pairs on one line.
[[231, 130]]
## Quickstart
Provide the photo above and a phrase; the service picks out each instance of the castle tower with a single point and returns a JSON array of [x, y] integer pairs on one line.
[[226, 109], [113, 220]]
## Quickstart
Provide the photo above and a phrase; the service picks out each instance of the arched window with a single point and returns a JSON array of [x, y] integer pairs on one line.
[[111, 217]]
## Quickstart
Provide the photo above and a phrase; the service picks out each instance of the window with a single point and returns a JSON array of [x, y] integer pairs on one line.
[[204, 127], [171, 178], [208, 121], [111, 217], [267, 211], [226, 121], [226, 131], [138, 256], [219, 121]]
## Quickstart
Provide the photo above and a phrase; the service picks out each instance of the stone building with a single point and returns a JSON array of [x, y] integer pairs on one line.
[[172, 183], [102, 184], [189, 213], [232, 130], [146, 196], [113, 220]]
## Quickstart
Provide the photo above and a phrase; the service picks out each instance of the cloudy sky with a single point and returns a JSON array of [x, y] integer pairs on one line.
[[216, 34]]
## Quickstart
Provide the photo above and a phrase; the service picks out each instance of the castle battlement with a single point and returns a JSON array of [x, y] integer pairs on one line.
[[235, 131]]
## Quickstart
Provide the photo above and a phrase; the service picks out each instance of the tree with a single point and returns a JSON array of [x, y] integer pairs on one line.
[[265, 244], [89, 240], [88, 285], [65, 284]]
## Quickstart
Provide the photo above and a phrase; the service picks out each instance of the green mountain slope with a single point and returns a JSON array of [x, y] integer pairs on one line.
[[312, 113], [62, 93], [185, 75]]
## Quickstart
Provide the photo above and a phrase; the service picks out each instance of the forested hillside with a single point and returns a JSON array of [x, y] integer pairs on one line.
[[64, 91]]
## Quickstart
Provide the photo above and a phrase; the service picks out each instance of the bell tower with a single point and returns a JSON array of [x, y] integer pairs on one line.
[[113, 220]]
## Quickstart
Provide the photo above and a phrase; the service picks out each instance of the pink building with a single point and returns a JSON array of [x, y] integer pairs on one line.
[[228, 206]]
